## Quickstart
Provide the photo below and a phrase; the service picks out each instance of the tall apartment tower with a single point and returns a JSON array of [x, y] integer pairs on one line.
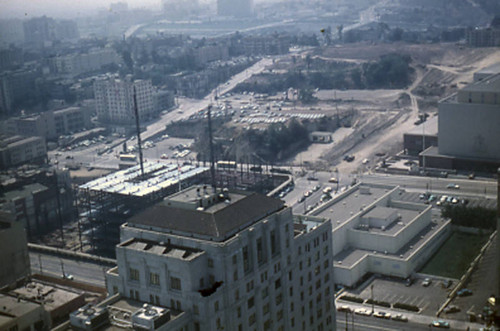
[[226, 260], [235, 8], [115, 100]]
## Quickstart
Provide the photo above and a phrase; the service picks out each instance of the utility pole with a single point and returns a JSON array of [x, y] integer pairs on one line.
[[373, 304], [138, 128], [40, 262], [62, 268]]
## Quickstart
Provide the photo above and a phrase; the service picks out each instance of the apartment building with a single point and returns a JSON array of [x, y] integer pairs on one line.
[[115, 100], [51, 124], [76, 64], [228, 260], [19, 150]]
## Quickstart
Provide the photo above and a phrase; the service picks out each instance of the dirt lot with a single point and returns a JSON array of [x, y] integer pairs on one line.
[[440, 69]]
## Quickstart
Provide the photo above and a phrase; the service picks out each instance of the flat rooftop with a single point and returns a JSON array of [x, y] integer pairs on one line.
[[157, 176], [428, 128], [120, 313], [489, 84], [490, 70], [341, 210], [52, 297], [193, 194], [406, 217], [11, 308], [23, 192], [349, 257]]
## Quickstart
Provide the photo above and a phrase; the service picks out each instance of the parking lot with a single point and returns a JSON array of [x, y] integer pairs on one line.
[[428, 298], [459, 199]]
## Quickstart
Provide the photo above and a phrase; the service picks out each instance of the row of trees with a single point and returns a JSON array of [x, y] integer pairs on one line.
[[390, 71], [475, 217]]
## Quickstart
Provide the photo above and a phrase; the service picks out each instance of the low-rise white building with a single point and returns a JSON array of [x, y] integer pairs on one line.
[[229, 260], [373, 231]]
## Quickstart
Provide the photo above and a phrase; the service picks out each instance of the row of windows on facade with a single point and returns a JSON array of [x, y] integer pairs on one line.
[[175, 283]]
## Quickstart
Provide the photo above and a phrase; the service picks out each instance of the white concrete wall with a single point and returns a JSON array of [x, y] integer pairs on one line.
[[469, 130]]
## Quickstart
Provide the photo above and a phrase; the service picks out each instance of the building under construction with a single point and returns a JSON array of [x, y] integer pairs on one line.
[[107, 202]]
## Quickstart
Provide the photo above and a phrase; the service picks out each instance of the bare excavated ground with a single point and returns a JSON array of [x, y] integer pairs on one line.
[[385, 115]]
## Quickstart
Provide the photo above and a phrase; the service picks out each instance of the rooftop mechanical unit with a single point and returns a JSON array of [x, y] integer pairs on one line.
[[150, 317]]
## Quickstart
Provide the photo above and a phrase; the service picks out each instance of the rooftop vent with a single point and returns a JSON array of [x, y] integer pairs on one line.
[[150, 317], [89, 318]]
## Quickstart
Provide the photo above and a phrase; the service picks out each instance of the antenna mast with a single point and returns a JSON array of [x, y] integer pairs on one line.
[[139, 144], [212, 162]]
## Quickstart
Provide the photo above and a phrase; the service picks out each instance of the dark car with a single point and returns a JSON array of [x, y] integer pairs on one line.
[[464, 292]]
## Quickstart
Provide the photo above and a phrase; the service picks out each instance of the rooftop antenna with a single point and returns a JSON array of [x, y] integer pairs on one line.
[[139, 144], [212, 162]]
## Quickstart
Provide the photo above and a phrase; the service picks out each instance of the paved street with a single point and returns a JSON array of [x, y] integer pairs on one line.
[[85, 272]]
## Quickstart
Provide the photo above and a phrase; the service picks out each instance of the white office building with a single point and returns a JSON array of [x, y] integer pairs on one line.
[[115, 100], [228, 261], [375, 231]]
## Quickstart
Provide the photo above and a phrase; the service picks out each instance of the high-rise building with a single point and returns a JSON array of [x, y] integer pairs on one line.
[[236, 8], [115, 100], [176, 10], [228, 260]]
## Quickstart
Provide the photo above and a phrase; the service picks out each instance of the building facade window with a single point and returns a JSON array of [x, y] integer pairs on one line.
[[134, 274], [175, 283], [154, 279]]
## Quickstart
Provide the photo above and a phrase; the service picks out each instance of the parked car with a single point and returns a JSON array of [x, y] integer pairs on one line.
[[382, 314], [426, 282], [363, 311], [408, 281], [451, 309], [333, 180], [464, 292]]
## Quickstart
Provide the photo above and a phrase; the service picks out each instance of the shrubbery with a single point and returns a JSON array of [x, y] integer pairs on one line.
[[474, 217], [352, 299], [406, 307]]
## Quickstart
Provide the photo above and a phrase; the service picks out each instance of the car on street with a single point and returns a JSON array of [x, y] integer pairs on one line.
[[400, 317], [67, 276], [427, 281], [382, 314], [363, 311], [441, 324], [453, 186], [344, 309]]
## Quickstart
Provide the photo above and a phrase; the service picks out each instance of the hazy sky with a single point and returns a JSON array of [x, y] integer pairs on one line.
[[74, 8], [61, 8]]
